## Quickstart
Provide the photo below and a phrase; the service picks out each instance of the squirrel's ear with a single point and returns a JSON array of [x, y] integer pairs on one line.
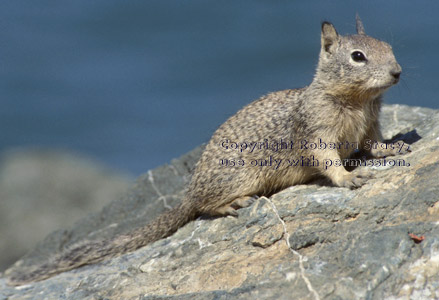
[[360, 27], [329, 37]]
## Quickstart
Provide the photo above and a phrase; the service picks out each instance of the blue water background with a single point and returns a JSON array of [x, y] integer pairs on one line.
[[137, 83]]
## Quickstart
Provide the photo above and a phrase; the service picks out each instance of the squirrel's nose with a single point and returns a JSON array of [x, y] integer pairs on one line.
[[396, 72]]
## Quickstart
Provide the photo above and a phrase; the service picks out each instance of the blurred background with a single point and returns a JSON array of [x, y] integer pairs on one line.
[[120, 87]]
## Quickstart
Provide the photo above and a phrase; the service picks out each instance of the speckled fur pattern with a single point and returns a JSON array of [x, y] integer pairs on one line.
[[341, 104]]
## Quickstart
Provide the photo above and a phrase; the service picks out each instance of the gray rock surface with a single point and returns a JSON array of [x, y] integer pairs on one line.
[[42, 190], [306, 242]]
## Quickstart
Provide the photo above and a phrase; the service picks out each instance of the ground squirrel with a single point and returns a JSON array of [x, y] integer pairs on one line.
[[282, 139]]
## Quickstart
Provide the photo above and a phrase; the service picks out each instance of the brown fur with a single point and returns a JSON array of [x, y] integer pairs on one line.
[[341, 104]]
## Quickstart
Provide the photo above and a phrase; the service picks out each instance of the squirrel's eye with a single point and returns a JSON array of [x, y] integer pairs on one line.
[[358, 56]]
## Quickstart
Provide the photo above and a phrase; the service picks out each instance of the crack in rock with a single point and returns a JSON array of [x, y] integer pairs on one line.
[[287, 240]]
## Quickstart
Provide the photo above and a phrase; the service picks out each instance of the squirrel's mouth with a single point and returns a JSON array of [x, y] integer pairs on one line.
[[386, 86], [385, 82], [389, 84], [381, 89]]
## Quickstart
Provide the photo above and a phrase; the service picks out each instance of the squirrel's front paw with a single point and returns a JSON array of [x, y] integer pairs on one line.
[[354, 180], [391, 149]]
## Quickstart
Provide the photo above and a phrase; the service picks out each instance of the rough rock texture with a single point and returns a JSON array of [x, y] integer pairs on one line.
[[42, 190], [306, 242]]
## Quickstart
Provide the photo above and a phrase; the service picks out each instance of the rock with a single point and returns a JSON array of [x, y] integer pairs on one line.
[[42, 190], [306, 242]]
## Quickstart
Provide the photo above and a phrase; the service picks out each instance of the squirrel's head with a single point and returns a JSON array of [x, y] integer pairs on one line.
[[356, 64]]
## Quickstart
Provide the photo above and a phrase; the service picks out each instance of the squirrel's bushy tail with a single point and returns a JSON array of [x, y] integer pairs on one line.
[[89, 252]]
